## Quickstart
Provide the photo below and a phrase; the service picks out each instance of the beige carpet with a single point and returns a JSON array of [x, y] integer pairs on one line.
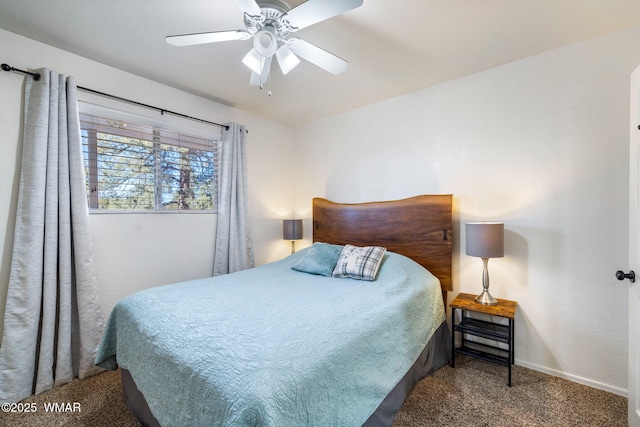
[[475, 393]]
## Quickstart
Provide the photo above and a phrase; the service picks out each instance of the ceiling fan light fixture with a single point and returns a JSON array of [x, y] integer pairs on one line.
[[286, 59], [265, 42], [254, 61], [270, 23]]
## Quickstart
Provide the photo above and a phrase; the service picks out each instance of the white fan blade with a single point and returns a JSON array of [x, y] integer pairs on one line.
[[261, 79], [250, 7], [314, 11], [201, 38], [320, 57], [264, 77], [254, 80]]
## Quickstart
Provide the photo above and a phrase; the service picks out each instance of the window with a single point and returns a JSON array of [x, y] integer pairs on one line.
[[134, 166]]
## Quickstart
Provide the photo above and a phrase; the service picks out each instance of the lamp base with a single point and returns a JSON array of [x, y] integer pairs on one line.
[[485, 298]]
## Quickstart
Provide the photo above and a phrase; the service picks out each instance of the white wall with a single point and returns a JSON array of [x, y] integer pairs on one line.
[[134, 252], [541, 144]]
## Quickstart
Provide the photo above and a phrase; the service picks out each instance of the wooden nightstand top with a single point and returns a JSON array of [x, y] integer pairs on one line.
[[504, 308]]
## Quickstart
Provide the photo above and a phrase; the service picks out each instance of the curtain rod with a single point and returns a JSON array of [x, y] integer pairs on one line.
[[36, 77]]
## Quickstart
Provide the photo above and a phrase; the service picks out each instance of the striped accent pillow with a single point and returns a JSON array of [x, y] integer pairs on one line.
[[357, 262]]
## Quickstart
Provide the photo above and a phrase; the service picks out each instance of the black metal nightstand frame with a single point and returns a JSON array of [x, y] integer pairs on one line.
[[497, 332]]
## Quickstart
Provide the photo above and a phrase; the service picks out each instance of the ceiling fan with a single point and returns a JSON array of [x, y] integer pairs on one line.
[[270, 22]]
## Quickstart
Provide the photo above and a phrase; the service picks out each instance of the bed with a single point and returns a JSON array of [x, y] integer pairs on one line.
[[279, 346]]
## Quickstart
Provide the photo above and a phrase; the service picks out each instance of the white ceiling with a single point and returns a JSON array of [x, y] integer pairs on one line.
[[393, 47]]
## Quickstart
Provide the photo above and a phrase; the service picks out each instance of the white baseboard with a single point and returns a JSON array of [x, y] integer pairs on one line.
[[595, 384]]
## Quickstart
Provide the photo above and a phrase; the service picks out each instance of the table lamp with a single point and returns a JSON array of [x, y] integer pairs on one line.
[[485, 240], [292, 230]]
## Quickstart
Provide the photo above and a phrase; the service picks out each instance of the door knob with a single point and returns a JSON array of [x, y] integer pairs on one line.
[[621, 275]]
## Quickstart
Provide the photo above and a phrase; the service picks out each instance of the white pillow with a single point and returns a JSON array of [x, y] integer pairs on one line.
[[357, 262]]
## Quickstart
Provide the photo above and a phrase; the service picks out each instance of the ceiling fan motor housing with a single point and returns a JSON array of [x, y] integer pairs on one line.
[[271, 16]]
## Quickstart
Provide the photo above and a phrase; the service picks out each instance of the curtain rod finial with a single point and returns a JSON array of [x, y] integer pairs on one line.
[[7, 67]]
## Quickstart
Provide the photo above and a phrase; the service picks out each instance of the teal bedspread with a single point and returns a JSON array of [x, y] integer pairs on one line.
[[271, 346]]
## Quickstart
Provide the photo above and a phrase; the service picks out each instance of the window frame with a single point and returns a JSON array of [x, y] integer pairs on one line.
[[165, 123]]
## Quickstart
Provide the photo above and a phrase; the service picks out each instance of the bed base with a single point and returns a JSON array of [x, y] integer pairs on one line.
[[435, 355], [432, 358], [136, 401]]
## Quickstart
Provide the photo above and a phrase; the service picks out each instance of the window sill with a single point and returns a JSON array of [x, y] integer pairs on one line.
[[149, 211]]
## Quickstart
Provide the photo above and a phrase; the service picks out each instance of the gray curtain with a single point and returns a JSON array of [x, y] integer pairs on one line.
[[234, 243], [53, 320]]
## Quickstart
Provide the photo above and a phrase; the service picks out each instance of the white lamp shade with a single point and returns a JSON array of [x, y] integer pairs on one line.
[[286, 59], [254, 61], [485, 239]]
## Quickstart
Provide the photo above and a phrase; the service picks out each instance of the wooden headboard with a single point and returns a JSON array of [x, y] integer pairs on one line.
[[419, 227]]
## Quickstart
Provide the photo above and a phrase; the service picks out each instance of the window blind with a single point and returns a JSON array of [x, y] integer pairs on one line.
[[135, 166]]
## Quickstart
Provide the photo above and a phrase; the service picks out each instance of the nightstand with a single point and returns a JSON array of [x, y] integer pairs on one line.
[[487, 329]]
